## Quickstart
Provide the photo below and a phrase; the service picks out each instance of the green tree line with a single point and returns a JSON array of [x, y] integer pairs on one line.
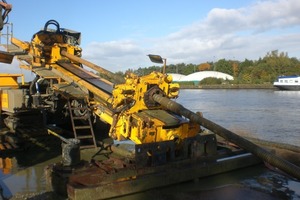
[[263, 70]]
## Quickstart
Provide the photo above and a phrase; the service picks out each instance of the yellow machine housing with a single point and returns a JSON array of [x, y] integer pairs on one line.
[[10, 80], [127, 107], [11, 97], [46, 45], [142, 120]]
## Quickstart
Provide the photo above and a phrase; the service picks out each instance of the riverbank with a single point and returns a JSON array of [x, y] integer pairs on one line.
[[230, 86]]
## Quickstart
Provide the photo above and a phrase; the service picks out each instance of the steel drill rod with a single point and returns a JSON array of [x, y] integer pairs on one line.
[[116, 78], [256, 150]]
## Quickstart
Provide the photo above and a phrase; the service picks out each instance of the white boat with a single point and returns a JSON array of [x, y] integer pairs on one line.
[[288, 82]]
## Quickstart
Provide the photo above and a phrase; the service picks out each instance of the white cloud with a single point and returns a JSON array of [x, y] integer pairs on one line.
[[268, 15], [114, 55], [113, 49], [248, 32], [237, 33]]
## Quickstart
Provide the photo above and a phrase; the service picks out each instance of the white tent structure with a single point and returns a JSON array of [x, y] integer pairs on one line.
[[199, 76], [177, 77]]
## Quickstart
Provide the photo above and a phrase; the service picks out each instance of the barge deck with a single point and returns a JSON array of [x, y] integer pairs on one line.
[[106, 174]]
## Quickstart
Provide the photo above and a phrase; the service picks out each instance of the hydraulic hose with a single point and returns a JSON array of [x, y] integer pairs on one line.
[[256, 150], [32, 88]]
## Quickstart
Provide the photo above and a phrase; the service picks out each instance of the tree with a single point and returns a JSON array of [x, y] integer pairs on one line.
[[262, 73], [204, 67], [235, 68], [224, 66], [211, 81], [265, 69]]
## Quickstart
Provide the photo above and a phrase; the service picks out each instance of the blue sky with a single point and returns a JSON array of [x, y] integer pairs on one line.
[[118, 34], [114, 19]]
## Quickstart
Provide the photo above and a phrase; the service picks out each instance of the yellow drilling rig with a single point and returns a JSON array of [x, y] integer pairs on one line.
[[169, 144], [54, 56]]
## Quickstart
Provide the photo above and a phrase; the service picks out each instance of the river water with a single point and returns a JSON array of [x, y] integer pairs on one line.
[[265, 114]]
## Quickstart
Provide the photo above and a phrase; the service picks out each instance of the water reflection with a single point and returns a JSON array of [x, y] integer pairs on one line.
[[287, 93], [6, 165], [22, 169], [278, 184], [18, 179]]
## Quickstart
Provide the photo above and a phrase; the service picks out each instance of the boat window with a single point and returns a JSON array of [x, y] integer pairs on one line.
[[285, 81]]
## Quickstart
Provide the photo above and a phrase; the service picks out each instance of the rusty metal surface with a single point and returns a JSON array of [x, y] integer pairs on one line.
[[6, 57], [91, 184], [155, 165]]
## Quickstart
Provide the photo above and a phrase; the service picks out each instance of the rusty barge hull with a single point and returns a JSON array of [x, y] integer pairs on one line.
[[167, 175], [119, 176]]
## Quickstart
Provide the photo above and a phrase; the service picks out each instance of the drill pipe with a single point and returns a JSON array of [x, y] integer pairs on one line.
[[117, 79], [261, 153]]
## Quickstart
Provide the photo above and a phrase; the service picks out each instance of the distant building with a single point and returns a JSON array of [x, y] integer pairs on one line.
[[199, 76], [177, 77]]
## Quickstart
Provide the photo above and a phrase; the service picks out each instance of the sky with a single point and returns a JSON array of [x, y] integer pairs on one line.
[[119, 34]]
